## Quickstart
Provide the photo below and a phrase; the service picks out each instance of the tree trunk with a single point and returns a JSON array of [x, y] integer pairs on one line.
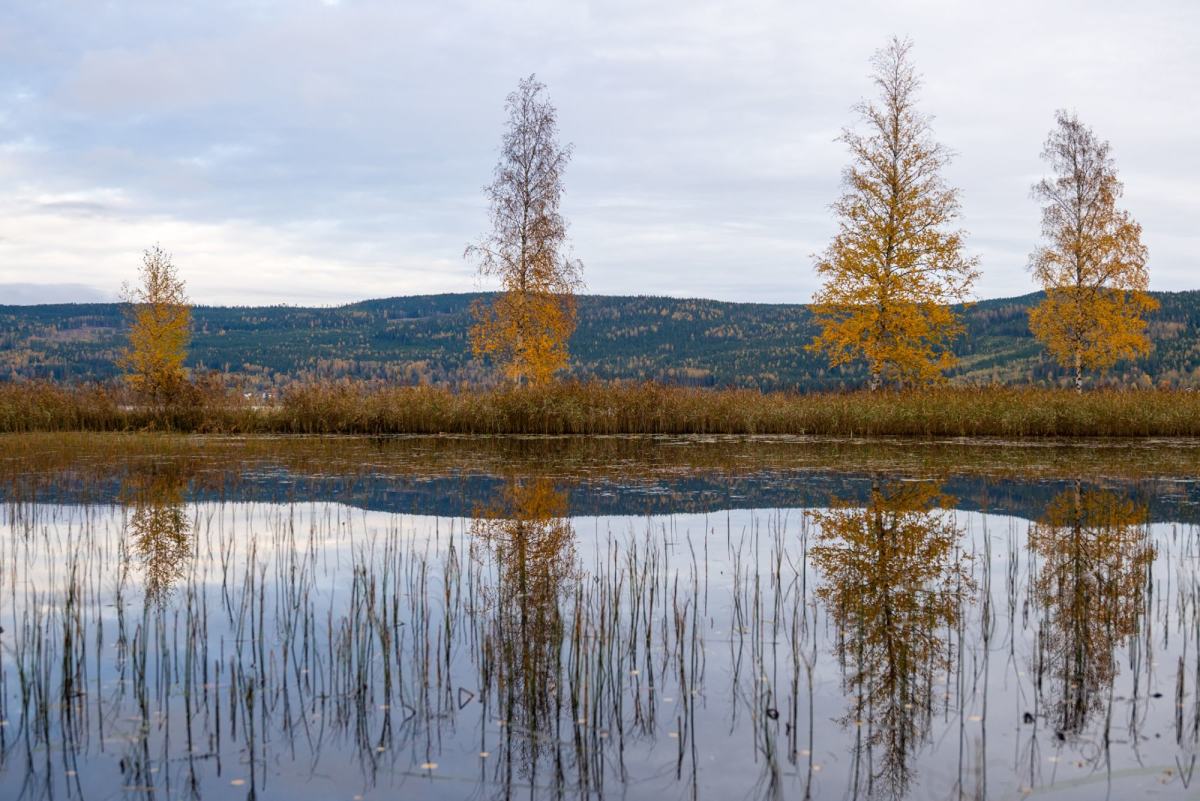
[[1078, 371]]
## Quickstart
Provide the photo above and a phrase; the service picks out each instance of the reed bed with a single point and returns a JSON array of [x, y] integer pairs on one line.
[[613, 409]]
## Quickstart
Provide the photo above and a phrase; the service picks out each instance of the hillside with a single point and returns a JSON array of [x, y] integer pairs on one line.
[[423, 338]]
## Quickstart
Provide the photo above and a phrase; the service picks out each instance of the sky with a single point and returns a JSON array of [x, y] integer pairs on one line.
[[315, 152]]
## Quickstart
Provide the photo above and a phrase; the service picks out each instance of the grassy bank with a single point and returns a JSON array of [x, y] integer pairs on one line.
[[588, 409]]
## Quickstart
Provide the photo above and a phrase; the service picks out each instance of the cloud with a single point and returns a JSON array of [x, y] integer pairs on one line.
[[98, 243], [307, 151], [23, 294]]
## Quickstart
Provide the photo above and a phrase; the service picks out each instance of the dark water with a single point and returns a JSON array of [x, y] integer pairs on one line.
[[637, 624]]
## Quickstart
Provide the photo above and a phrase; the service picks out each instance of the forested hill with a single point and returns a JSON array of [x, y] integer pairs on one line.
[[424, 338]]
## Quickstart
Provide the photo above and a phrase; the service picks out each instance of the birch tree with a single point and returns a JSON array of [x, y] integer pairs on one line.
[[896, 265], [1093, 263], [160, 329], [526, 328]]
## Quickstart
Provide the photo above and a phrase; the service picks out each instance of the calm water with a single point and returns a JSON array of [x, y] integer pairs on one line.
[[638, 623]]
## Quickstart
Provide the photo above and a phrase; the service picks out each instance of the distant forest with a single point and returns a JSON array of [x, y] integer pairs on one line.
[[423, 339]]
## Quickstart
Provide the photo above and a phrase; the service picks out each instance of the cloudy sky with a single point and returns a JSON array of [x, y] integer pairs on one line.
[[308, 152]]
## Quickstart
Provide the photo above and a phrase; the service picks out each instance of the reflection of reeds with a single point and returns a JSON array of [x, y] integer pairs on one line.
[[254, 653], [597, 408], [316, 639]]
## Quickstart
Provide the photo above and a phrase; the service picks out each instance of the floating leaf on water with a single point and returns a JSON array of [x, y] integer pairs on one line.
[[428, 766]]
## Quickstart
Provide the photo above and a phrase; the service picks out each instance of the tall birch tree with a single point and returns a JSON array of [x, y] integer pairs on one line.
[[1093, 263], [527, 326], [896, 265]]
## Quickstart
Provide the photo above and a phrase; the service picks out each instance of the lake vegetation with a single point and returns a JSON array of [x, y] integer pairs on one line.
[[713, 618], [610, 408], [544, 588]]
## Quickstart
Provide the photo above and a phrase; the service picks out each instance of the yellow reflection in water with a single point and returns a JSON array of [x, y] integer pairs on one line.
[[1096, 552], [159, 530], [894, 582], [532, 543]]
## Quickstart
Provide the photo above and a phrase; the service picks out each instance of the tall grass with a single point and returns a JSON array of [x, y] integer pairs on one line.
[[608, 409]]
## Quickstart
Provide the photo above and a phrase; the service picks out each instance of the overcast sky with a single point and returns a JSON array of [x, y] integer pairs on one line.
[[308, 152]]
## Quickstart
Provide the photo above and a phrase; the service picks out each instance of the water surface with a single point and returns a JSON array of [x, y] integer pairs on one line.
[[637, 619]]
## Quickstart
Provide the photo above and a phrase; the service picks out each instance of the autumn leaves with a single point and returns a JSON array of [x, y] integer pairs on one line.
[[892, 275], [896, 267], [160, 328], [526, 327], [897, 264], [1093, 265]]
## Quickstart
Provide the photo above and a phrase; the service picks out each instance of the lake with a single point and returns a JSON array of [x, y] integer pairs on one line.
[[635, 618]]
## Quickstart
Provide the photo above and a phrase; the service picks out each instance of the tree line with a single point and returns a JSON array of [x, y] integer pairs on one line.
[[891, 276]]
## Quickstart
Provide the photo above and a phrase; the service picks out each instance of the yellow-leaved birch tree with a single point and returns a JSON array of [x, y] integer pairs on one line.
[[160, 328], [896, 266], [1093, 265], [526, 328]]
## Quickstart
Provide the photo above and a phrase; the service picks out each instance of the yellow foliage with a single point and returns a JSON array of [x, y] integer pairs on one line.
[[527, 327], [160, 330], [893, 270], [1093, 267], [526, 332]]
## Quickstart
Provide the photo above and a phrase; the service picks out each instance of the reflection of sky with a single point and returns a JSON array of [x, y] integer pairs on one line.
[[996, 687], [326, 152]]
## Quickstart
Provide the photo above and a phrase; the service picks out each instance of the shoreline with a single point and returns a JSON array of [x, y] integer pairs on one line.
[[582, 409]]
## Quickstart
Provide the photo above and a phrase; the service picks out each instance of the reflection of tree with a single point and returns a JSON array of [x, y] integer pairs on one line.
[[159, 529], [1095, 552], [894, 584], [532, 543]]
